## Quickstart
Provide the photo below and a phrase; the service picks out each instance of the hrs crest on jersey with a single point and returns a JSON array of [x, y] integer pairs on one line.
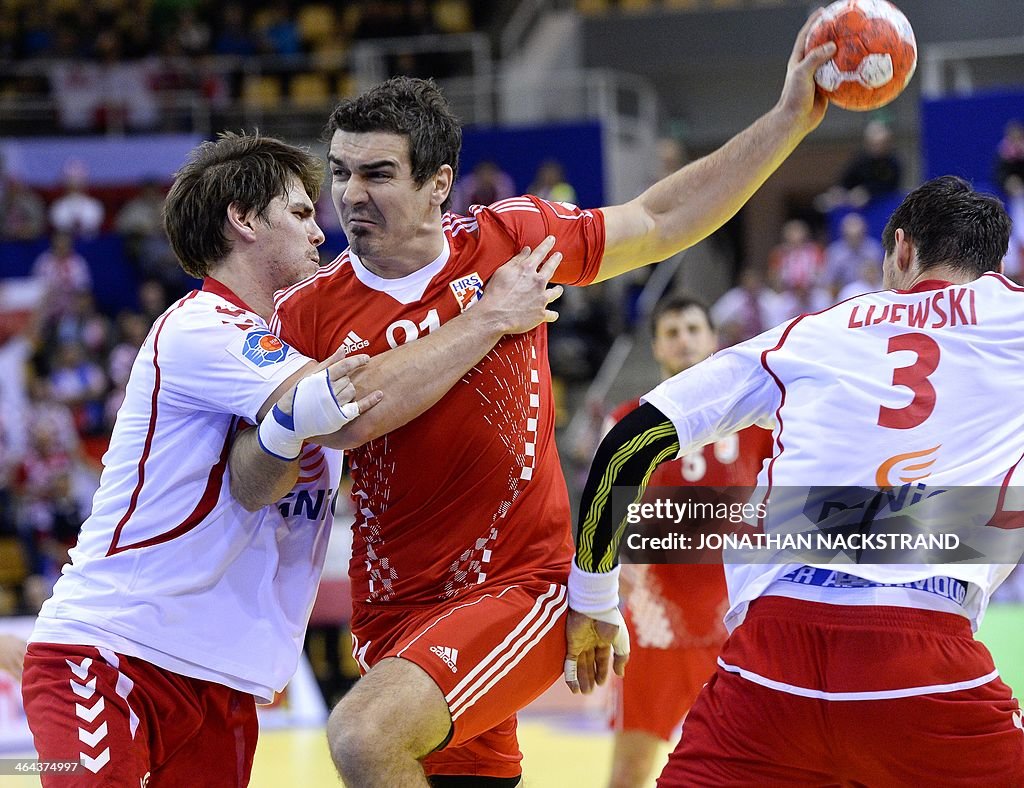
[[467, 290]]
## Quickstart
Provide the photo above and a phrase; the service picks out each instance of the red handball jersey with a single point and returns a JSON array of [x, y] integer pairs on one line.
[[676, 606], [471, 491]]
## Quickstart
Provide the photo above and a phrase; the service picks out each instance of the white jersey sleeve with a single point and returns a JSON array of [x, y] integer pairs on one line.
[[721, 395]]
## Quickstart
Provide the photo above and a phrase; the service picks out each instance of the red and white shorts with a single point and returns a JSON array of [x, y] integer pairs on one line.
[[131, 723], [491, 653], [808, 693]]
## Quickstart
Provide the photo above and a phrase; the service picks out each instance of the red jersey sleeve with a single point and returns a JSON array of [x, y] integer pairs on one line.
[[527, 220]]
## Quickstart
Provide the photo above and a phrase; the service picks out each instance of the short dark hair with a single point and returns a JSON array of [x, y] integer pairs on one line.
[[413, 108], [248, 170], [951, 224], [678, 302]]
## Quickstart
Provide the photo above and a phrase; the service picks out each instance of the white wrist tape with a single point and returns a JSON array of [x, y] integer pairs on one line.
[[593, 592], [315, 411]]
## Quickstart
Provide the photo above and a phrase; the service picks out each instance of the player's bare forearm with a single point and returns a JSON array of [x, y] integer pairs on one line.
[[415, 376], [258, 478], [691, 203]]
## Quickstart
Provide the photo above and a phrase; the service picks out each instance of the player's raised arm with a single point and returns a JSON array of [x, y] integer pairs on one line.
[[413, 377], [690, 204]]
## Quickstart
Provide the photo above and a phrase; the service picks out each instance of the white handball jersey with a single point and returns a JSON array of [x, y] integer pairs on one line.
[[169, 567], [892, 388]]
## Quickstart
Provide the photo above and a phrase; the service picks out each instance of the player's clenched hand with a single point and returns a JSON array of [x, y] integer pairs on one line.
[[799, 94], [590, 645], [517, 295], [339, 367], [319, 404]]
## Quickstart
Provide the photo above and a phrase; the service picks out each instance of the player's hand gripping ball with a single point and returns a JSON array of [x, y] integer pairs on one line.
[[876, 53]]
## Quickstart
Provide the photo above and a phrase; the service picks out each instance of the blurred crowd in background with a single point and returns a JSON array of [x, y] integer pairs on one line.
[[64, 361]]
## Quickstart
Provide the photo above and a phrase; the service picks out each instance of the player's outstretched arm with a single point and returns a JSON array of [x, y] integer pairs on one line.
[[690, 204], [414, 376], [627, 455]]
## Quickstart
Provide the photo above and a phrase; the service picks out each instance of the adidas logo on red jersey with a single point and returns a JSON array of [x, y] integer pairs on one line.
[[354, 342], [448, 655]]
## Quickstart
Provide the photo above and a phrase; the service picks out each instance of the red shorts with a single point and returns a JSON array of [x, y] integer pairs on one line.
[[128, 721], [660, 686], [855, 721], [491, 653], [674, 616]]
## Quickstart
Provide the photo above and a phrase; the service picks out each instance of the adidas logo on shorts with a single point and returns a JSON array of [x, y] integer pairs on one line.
[[448, 655], [354, 342]]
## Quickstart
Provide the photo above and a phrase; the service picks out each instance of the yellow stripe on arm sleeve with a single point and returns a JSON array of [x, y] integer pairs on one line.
[[625, 459]]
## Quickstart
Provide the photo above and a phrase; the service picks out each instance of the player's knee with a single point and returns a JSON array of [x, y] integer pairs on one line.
[[353, 735]]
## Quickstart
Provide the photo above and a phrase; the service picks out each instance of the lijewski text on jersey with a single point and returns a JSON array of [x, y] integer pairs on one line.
[[954, 306]]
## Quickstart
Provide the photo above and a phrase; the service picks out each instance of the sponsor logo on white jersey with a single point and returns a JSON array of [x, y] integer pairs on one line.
[[354, 342], [448, 655]]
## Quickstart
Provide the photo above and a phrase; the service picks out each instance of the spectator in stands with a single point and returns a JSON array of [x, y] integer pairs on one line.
[[50, 515], [127, 100], [22, 212], [848, 255], [1009, 170], [153, 299], [747, 309], [233, 37], [81, 384], [76, 212], [875, 172], [62, 273], [279, 34], [801, 299], [132, 330], [797, 260], [81, 324], [549, 183], [192, 33], [141, 215], [869, 279], [146, 246], [484, 185]]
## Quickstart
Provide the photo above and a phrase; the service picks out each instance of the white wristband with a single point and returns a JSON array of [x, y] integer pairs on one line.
[[593, 592], [315, 411], [276, 435]]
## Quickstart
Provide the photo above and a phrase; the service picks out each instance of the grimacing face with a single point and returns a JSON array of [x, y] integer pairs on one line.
[[387, 217]]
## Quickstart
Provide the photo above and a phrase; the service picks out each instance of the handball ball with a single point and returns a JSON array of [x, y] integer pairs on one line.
[[876, 53]]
